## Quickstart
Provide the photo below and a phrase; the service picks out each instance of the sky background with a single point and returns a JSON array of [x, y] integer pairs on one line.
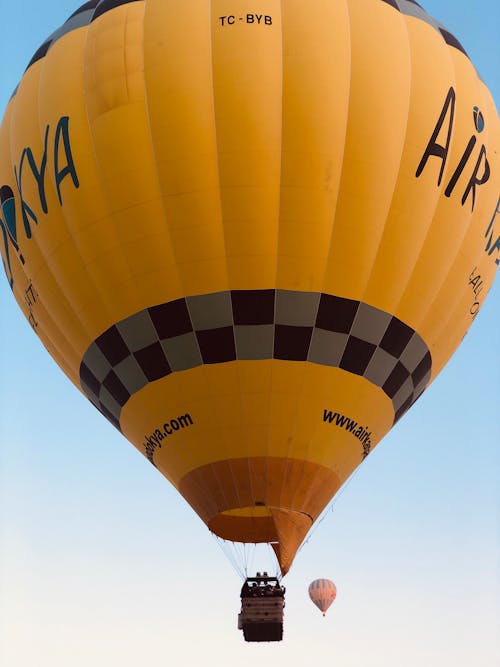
[[103, 565]]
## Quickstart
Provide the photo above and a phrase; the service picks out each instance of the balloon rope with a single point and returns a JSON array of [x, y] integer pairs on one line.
[[274, 559], [328, 510], [229, 550], [253, 548]]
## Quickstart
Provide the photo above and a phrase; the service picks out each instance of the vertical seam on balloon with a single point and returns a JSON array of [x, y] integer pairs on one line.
[[402, 20], [125, 68], [339, 184], [91, 143], [44, 265], [456, 311], [127, 9], [342, 464], [213, 468], [275, 286], [70, 372], [98, 168], [155, 167], [306, 365], [304, 368], [68, 306], [221, 209], [466, 286], [389, 207], [414, 324], [97, 291], [103, 191], [303, 373], [484, 262]]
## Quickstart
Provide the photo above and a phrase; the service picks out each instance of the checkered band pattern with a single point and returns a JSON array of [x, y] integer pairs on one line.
[[250, 325], [90, 11], [412, 8], [83, 16]]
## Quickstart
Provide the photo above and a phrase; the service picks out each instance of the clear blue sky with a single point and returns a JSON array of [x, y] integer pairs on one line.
[[103, 565]]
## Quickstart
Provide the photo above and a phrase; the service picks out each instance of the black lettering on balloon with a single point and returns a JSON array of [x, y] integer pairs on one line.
[[463, 161], [63, 166], [474, 181], [26, 210], [490, 234], [433, 147], [8, 227], [62, 133], [7, 267], [30, 295], [39, 174]]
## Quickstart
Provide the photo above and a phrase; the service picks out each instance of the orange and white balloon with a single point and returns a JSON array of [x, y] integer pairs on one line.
[[322, 592]]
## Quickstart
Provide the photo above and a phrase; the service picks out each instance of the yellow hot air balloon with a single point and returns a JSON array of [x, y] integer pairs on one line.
[[251, 236], [322, 592]]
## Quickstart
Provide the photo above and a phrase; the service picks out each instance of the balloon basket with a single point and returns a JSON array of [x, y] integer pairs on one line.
[[262, 604]]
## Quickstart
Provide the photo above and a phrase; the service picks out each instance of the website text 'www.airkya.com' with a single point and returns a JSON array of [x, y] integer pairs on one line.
[[154, 440], [169, 428], [351, 426]]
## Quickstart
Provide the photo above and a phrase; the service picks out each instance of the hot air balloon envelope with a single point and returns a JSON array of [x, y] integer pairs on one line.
[[251, 239], [322, 592]]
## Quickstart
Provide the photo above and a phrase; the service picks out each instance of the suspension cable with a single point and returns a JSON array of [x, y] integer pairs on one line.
[[327, 511]]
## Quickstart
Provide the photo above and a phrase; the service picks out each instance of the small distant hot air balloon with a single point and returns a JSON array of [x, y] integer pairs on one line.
[[322, 592]]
